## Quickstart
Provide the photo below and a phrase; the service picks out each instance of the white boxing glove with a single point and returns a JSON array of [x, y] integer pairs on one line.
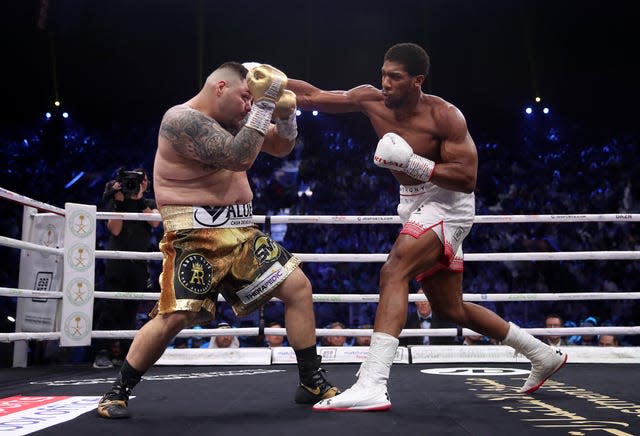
[[395, 153], [251, 65]]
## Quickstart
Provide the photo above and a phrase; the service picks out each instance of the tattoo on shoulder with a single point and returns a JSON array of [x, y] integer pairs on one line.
[[196, 136]]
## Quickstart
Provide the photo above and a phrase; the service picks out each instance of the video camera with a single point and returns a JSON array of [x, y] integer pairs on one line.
[[130, 182]]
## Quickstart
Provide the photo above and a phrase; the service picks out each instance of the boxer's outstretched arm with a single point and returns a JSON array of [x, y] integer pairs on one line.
[[309, 97]]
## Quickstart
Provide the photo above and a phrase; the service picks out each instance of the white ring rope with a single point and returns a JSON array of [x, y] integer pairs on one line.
[[255, 331], [9, 195], [390, 219], [358, 257], [382, 257], [24, 245], [352, 298], [347, 219]]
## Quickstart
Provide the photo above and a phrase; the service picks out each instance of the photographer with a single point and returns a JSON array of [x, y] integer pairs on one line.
[[124, 194]]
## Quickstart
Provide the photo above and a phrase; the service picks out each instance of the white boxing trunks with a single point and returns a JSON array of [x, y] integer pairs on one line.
[[449, 214]]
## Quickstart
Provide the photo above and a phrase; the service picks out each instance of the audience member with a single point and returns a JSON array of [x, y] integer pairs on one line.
[[554, 321], [275, 340], [224, 341], [608, 341], [423, 318], [336, 340], [363, 341], [585, 339]]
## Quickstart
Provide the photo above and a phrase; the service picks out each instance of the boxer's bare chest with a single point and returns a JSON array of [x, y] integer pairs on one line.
[[418, 130]]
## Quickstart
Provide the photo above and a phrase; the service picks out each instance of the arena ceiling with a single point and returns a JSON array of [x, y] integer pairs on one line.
[[123, 60]]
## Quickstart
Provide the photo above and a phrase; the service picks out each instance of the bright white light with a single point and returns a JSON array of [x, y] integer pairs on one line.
[[65, 115], [11, 319], [528, 110], [47, 115], [314, 113], [298, 112], [538, 99], [56, 103], [545, 110], [308, 192]]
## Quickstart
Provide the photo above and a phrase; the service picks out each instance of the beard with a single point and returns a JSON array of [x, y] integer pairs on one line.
[[393, 103]]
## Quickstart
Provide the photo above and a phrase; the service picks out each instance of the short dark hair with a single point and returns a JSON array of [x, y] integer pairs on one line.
[[234, 66], [414, 58]]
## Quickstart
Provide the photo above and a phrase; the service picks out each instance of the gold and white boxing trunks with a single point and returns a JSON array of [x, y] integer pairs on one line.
[[217, 249]]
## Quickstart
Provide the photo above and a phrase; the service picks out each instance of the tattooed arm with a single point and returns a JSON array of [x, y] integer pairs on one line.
[[196, 136]]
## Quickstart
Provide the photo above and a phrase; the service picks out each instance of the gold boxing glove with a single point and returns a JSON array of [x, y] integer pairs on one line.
[[285, 116], [266, 83], [285, 106]]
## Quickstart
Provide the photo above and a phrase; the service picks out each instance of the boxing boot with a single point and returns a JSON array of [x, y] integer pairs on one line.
[[545, 360], [369, 393], [313, 384]]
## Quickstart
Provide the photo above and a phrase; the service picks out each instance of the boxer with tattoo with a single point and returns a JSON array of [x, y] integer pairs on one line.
[[210, 244]]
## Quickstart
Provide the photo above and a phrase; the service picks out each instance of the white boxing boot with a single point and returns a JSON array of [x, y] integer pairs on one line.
[[545, 360], [369, 393]]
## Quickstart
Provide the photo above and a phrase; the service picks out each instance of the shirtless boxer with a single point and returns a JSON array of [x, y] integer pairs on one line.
[[425, 143], [210, 245]]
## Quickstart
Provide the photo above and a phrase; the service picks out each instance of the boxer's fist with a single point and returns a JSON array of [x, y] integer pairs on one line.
[[395, 153], [285, 116], [285, 106], [266, 83], [392, 152]]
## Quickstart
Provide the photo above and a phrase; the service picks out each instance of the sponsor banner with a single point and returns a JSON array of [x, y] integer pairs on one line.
[[39, 271], [503, 353], [24, 415], [282, 355], [79, 275], [464, 353], [216, 356]]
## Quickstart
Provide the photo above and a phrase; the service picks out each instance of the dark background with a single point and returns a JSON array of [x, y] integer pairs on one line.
[[128, 61]]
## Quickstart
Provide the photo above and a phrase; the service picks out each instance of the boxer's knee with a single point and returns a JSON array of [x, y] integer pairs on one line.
[[295, 288], [174, 322]]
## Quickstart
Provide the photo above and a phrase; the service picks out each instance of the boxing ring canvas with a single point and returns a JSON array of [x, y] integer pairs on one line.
[[438, 399]]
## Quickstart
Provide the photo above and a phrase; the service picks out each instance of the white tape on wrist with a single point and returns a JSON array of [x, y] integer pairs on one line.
[[420, 168], [260, 116], [287, 128]]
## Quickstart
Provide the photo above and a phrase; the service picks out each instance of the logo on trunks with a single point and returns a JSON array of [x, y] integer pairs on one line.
[[219, 216], [195, 274], [265, 249], [263, 284], [458, 233]]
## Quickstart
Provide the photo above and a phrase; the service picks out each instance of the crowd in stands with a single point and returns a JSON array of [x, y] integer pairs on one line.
[[552, 170]]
